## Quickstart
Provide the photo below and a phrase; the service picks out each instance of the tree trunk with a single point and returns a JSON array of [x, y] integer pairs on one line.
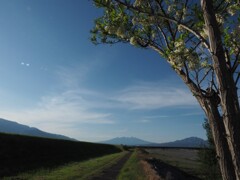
[[218, 132], [226, 85], [216, 124]]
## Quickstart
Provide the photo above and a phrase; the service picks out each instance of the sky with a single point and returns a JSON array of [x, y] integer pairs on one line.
[[53, 78]]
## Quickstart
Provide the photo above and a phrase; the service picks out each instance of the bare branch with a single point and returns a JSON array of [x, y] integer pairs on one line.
[[219, 5], [197, 44], [205, 75], [164, 36], [186, 69], [168, 24], [156, 48], [238, 76], [236, 63], [181, 17], [197, 79], [192, 86]]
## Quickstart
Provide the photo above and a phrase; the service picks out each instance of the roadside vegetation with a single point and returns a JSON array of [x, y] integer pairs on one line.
[[208, 157], [183, 159], [25, 157], [133, 168], [77, 170], [20, 154]]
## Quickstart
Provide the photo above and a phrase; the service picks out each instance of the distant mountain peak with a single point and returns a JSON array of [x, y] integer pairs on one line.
[[7, 126], [131, 141], [192, 142], [186, 142]]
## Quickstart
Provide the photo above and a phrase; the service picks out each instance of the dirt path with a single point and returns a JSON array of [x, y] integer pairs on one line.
[[112, 172]]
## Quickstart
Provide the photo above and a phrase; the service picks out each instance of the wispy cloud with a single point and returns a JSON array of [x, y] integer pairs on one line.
[[175, 115], [145, 121], [67, 107], [154, 96], [60, 113], [73, 105]]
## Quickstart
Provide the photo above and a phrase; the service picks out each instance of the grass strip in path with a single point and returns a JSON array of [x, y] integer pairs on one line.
[[132, 169], [78, 170]]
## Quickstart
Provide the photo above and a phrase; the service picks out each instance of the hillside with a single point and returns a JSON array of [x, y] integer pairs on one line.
[[192, 142], [12, 127]]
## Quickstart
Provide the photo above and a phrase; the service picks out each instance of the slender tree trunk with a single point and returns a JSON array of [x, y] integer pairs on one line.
[[219, 136], [226, 85], [216, 124]]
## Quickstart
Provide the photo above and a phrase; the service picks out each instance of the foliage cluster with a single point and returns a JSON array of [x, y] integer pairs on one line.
[[175, 29]]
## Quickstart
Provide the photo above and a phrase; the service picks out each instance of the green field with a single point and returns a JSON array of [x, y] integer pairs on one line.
[[24, 153]]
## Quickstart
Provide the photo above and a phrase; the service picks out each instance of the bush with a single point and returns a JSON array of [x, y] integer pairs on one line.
[[207, 156]]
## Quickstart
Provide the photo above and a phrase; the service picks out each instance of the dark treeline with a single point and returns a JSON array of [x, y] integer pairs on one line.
[[24, 153]]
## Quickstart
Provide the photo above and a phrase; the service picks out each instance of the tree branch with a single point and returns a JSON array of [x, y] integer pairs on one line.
[[168, 24], [164, 36], [238, 76], [205, 75], [236, 63], [192, 86], [156, 48], [165, 17]]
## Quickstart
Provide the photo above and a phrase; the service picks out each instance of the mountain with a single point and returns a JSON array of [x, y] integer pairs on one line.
[[193, 142], [12, 127], [130, 141]]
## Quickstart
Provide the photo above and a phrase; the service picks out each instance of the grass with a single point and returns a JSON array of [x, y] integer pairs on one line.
[[24, 153], [78, 170], [132, 169], [184, 159]]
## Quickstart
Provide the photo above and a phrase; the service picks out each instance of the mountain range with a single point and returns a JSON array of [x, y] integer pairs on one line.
[[12, 127], [191, 142]]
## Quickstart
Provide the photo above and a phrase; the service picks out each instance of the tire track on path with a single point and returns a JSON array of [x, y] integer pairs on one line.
[[112, 172]]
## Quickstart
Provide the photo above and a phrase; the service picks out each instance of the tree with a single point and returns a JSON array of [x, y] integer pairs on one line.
[[208, 156], [200, 41]]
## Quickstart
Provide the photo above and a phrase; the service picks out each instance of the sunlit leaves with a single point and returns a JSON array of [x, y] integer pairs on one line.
[[174, 28]]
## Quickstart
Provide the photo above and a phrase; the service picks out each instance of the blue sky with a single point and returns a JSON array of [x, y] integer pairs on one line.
[[53, 78]]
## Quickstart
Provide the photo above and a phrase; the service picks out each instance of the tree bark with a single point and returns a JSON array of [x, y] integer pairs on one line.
[[218, 132], [216, 124], [226, 85]]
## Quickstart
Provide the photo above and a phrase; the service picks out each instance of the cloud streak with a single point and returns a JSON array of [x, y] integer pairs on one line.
[[90, 107], [66, 107], [76, 105], [155, 96]]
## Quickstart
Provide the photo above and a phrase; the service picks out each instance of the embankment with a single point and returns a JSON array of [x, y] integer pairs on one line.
[[24, 153]]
